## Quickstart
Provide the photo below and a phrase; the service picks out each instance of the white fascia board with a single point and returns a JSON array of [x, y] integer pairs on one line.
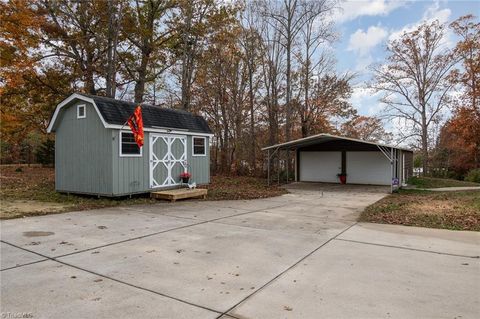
[[68, 100]]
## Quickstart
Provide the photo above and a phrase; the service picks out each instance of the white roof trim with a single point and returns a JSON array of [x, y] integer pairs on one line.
[[68, 100], [314, 137], [113, 126]]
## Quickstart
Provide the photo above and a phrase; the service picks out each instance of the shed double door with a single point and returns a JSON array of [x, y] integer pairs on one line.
[[168, 159]]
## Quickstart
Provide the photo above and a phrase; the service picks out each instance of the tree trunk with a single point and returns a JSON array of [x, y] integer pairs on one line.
[[424, 145], [253, 154], [187, 59], [304, 114], [142, 75], [287, 100], [112, 49], [89, 82]]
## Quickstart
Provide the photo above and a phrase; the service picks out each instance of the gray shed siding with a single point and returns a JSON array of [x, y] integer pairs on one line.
[[199, 166], [82, 152], [132, 174]]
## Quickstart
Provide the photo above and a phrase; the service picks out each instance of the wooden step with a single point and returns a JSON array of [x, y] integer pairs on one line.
[[180, 193]]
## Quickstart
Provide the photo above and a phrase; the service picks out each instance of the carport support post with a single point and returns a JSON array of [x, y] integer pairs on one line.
[[296, 167], [288, 162], [391, 164], [278, 166], [268, 167]]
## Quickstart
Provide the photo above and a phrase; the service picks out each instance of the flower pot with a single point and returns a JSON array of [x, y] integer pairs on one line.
[[185, 180], [343, 179]]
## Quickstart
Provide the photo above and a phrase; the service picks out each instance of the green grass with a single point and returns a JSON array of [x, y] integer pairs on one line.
[[449, 210], [431, 182]]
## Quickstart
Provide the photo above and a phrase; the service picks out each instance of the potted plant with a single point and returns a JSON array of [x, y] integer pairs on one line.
[[185, 176], [342, 177]]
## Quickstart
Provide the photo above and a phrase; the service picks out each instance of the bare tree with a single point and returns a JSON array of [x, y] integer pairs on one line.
[[290, 17], [196, 21], [414, 80], [314, 33], [272, 67], [73, 32], [251, 45], [114, 12], [147, 33]]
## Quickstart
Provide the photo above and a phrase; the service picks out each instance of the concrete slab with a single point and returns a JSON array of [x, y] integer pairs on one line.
[[287, 222], [312, 188], [169, 206], [319, 211], [437, 240], [52, 290], [348, 201], [56, 235], [453, 189], [12, 257], [350, 280], [211, 264], [196, 212], [249, 205], [218, 264]]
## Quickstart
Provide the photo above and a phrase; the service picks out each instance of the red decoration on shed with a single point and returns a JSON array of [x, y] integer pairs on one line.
[[135, 121]]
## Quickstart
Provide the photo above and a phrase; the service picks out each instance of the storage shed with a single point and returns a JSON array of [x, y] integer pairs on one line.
[[324, 157], [95, 153]]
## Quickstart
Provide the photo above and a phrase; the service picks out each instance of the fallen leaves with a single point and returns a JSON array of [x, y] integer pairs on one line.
[[35, 186], [450, 210], [241, 187]]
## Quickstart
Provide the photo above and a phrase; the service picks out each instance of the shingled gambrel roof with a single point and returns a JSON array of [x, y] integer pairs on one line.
[[116, 112]]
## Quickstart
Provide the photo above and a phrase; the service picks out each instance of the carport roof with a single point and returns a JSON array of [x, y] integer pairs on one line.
[[322, 138]]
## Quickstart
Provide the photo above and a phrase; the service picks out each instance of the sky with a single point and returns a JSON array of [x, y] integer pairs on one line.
[[366, 26]]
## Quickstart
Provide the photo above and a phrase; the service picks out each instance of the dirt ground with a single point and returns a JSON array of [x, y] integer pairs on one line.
[[13, 208]]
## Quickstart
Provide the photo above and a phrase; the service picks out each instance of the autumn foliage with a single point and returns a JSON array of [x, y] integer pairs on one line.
[[459, 143], [260, 72]]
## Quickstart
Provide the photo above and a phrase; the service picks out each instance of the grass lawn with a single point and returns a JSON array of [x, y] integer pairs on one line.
[[31, 192], [449, 210], [430, 182]]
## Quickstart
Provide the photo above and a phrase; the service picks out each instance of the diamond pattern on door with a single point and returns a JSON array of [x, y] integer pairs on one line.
[[168, 158]]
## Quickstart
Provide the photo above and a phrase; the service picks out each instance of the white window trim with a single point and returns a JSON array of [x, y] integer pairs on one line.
[[120, 147], [84, 111], [204, 146]]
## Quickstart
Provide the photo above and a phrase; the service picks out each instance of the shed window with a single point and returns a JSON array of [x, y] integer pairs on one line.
[[199, 146], [81, 112], [128, 146]]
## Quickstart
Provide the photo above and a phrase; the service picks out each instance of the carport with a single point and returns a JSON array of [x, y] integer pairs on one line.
[[324, 158]]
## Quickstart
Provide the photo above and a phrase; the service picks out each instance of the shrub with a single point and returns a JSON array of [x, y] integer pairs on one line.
[[473, 175]]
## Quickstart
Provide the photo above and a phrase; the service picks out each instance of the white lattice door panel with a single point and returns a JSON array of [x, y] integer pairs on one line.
[[168, 159]]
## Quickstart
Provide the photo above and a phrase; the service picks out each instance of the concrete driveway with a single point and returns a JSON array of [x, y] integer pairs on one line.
[[301, 255]]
